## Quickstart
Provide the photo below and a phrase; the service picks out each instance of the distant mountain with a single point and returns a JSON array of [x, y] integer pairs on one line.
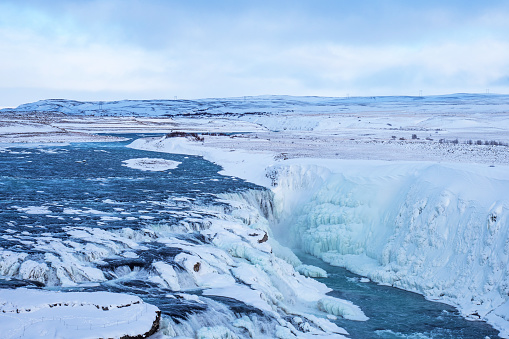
[[275, 104]]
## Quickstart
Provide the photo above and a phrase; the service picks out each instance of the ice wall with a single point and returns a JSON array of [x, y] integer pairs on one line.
[[440, 230]]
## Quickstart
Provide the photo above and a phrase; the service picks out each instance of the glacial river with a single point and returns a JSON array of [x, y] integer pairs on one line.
[[50, 193]]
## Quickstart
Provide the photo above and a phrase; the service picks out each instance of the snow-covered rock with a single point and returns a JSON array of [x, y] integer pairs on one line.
[[342, 308], [30, 313]]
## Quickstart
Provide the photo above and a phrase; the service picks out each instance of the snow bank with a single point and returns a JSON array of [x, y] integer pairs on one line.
[[234, 162], [499, 318], [342, 308], [311, 271], [27, 313], [12, 127]]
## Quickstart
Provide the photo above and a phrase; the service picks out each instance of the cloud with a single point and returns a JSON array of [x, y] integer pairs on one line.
[[501, 81], [135, 48], [35, 61]]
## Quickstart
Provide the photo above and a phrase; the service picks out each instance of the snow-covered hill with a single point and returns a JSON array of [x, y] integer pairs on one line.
[[467, 117], [275, 104]]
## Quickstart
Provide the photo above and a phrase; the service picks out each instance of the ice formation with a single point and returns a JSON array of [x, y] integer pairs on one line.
[[437, 229], [434, 228], [229, 252], [151, 164], [342, 308]]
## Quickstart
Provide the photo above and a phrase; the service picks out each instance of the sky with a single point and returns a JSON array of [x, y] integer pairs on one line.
[[154, 49]]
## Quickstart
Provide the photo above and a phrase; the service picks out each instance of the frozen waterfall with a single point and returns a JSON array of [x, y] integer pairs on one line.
[[436, 229]]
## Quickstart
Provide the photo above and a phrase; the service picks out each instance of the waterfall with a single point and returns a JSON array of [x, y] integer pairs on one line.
[[439, 230]]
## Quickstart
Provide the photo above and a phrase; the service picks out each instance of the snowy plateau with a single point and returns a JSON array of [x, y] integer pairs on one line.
[[409, 192]]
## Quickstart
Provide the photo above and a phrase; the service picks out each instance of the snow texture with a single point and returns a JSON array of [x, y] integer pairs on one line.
[[27, 313], [151, 164], [439, 229]]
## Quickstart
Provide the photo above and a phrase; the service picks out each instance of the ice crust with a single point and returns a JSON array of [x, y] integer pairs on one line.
[[151, 164]]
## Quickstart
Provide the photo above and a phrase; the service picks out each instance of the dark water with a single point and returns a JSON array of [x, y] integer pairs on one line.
[[395, 313], [86, 185], [92, 177]]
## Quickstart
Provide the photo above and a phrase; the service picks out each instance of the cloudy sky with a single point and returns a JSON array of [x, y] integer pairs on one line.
[[142, 49]]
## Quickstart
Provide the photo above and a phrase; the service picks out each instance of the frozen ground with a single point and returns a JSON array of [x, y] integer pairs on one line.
[[408, 191]]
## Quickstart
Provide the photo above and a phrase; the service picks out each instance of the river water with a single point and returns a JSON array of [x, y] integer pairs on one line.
[[395, 313], [51, 195]]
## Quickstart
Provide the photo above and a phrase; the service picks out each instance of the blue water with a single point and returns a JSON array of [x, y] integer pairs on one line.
[[90, 177], [86, 175], [396, 313]]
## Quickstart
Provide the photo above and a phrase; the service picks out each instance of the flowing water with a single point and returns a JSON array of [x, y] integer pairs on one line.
[[51, 196], [46, 192], [395, 313]]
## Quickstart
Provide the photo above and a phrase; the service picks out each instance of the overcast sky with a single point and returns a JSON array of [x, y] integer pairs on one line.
[[130, 49]]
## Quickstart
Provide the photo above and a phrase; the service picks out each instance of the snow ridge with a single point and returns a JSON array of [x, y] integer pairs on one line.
[[256, 106]]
